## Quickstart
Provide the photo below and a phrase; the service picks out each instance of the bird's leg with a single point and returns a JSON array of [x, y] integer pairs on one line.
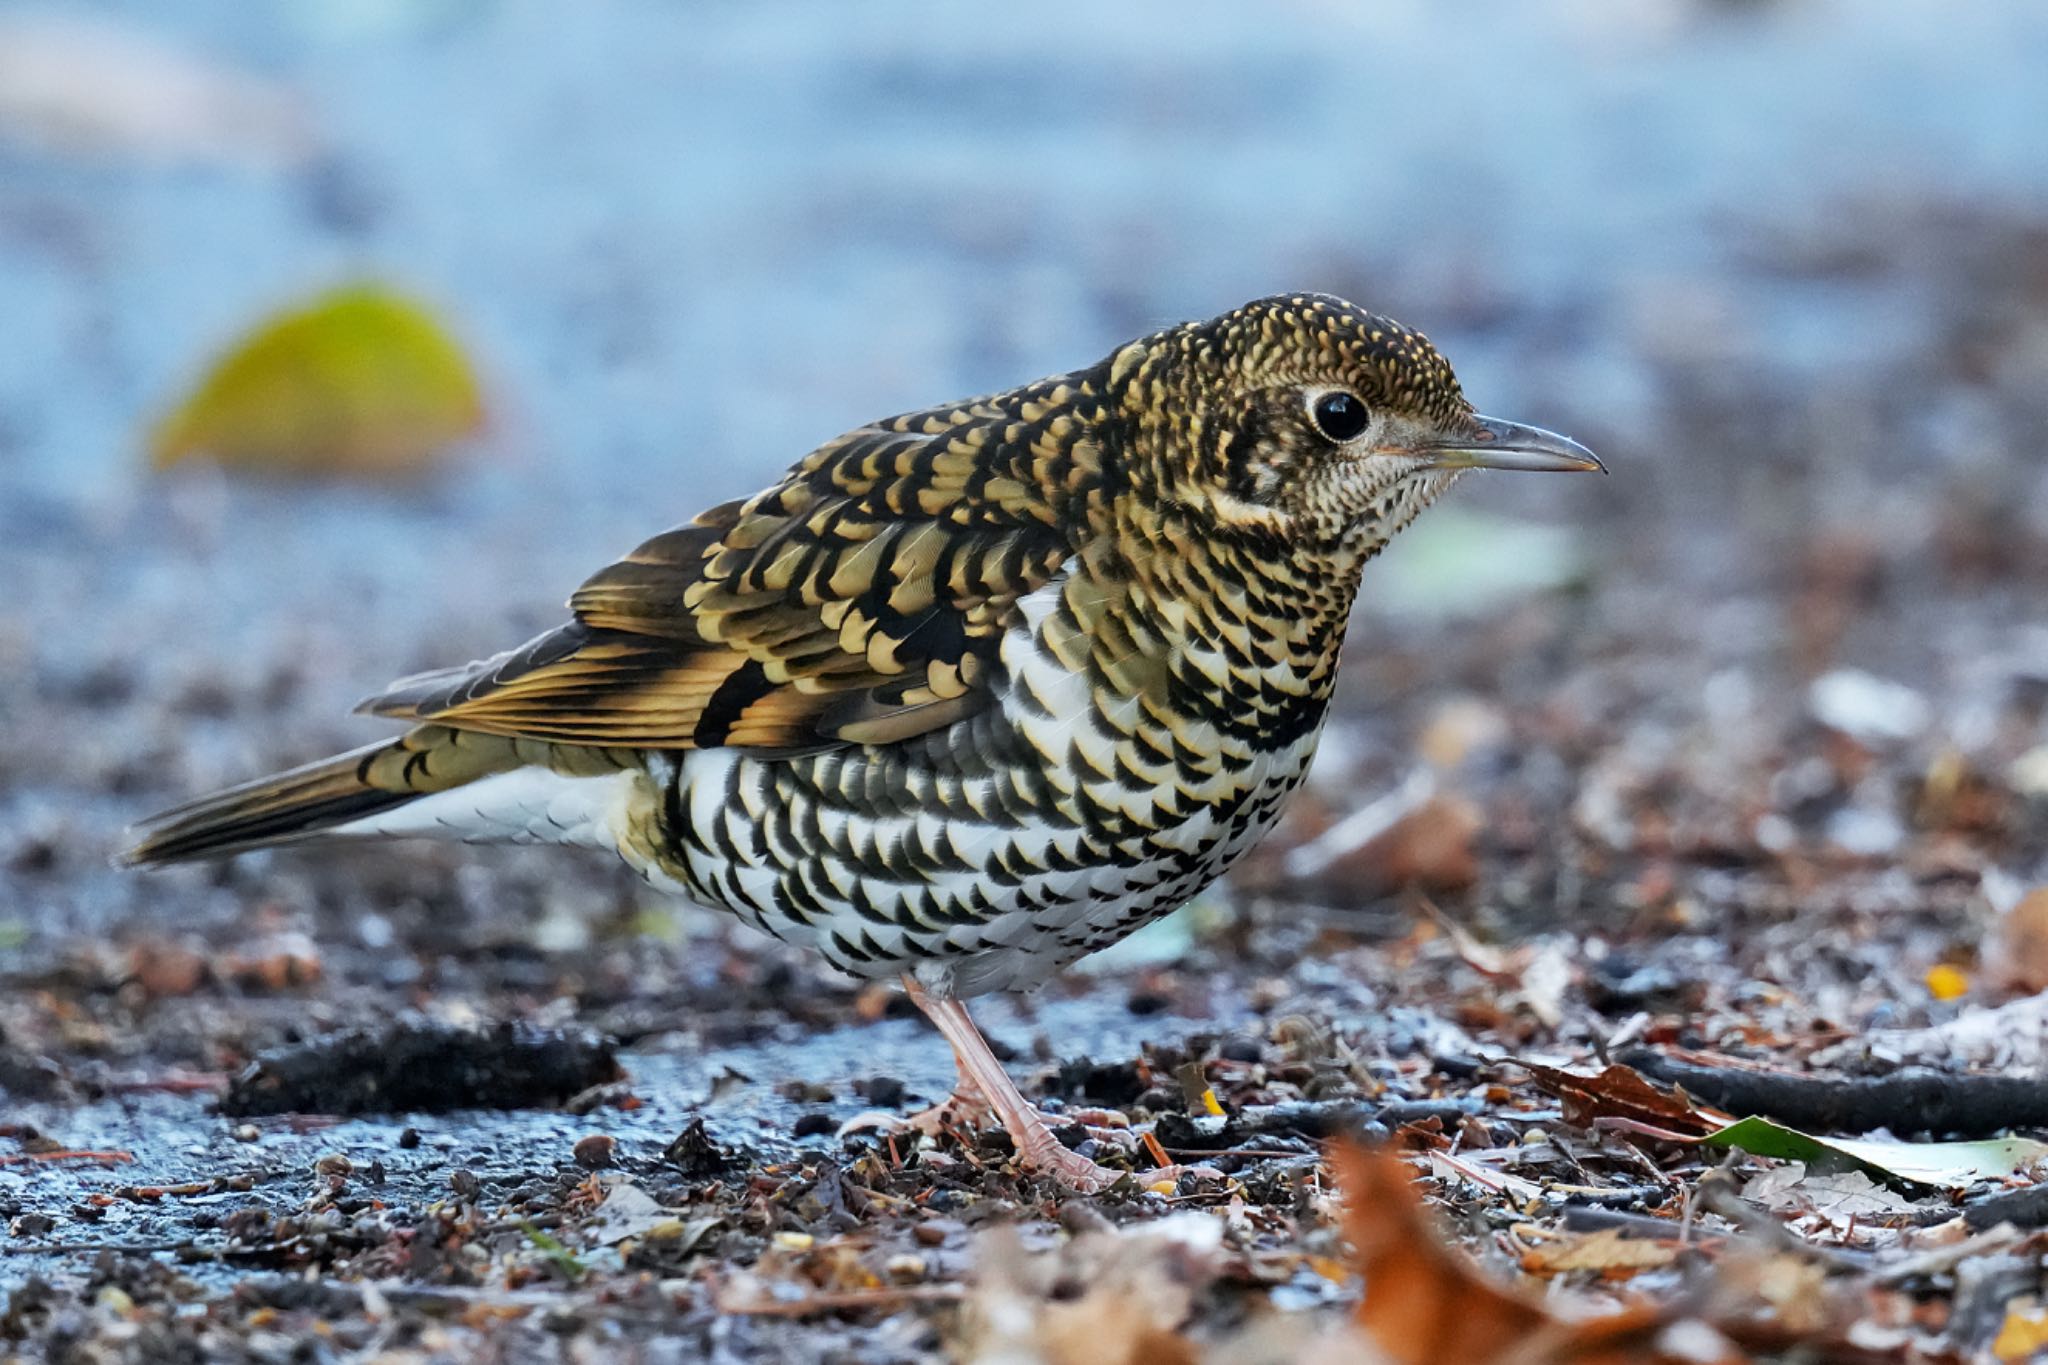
[[966, 1108], [1037, 1147]]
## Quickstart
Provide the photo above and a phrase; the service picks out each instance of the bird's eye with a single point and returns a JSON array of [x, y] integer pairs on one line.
[[1339, 415]]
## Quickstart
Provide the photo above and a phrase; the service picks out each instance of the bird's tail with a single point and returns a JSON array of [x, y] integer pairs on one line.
[[335, 796]]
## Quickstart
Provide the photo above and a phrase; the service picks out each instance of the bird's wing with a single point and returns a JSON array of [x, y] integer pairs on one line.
[[862, 599]]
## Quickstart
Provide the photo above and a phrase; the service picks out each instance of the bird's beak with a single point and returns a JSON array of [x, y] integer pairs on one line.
[[1494, 444]]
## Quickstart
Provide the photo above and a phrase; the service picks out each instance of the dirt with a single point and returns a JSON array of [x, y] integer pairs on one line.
[[1738, 756]]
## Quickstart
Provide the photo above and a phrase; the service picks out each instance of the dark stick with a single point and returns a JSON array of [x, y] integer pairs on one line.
[[1312, 1119], [2024, 1209], [1914, 1100]]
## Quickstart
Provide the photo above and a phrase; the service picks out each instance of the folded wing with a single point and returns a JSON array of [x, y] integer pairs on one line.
[[862, 599]]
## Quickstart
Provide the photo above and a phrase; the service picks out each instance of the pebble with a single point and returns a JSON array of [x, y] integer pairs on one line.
[[1867, 707], [596, 1151], [884, 1092]]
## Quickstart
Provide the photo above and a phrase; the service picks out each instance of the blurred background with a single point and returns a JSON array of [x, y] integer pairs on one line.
[[1785, 265]]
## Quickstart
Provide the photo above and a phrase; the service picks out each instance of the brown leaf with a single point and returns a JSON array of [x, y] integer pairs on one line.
[[1105, 1298], [1606, 1251], [1412, 836], [1424, 1304], [1431, 849], [1621, 1092], [2016, 958]]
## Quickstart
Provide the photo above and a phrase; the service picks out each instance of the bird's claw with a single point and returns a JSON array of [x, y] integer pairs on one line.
[[955, 1113]]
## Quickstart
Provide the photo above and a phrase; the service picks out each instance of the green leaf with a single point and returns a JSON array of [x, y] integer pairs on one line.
[[360, 381], [1947, 1164], [559, 1256], [1455, 562]]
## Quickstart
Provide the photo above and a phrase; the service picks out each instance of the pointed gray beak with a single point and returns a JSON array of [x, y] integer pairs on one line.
[[1494, 444]]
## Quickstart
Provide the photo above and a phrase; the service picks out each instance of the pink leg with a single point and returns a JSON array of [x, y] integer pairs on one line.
[[966, 1108], [1037, 1147]]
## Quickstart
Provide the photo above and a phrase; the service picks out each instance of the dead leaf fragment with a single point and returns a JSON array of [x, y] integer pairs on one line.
[[1621, 1092], [360, 382], [1136, 1289], [1605, 1252], [1425, 1304], [2016, 958], [2024, 1334]]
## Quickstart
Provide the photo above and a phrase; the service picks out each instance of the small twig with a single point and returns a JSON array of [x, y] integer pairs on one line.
[[176, 1083], [105, 1158], [92, 1248], [1257, 1153], [1499, 1182], [849, 1300], [151, 1193], [1936, 1260], [1595, 1218], [1615, 1123]]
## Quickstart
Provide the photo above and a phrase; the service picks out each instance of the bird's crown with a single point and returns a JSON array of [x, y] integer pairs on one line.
[[1295, 413]]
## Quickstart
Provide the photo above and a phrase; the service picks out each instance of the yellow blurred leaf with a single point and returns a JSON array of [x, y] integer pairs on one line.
[[2025, 1332], [1945, 982], [360, 382]]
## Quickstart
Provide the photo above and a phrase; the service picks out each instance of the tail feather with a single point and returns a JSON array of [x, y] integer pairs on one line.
[[270, 810], [341, 795]]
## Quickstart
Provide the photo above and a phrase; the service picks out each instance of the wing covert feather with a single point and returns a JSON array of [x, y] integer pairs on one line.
[[861, 599]]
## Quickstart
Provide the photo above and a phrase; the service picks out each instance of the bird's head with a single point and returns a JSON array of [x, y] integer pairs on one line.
[[1306, 418]]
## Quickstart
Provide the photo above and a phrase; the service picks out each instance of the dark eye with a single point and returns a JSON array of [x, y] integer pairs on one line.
[[1339, 415]]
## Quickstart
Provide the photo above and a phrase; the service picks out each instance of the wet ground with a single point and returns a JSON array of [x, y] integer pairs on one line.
[[1735, 752]]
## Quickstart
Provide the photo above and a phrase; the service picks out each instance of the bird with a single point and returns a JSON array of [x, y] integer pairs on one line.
[[968, 692]]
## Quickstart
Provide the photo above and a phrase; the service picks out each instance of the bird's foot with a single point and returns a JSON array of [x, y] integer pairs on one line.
[[1084, 1175], [965, 1111], [962, 1111], [1039, 1149]]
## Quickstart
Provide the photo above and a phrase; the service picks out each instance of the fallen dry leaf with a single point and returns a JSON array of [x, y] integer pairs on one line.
[[1425, 1304], [1606, 1252], [1414, 835], [1621, 1092], [1107, 1298], [2016, 955], [2024, 1334]]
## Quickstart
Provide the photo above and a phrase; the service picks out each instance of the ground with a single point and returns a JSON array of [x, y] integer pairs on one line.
[[1735, 757]]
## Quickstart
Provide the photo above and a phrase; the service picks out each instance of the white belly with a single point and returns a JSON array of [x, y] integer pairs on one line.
[[971, 905]]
